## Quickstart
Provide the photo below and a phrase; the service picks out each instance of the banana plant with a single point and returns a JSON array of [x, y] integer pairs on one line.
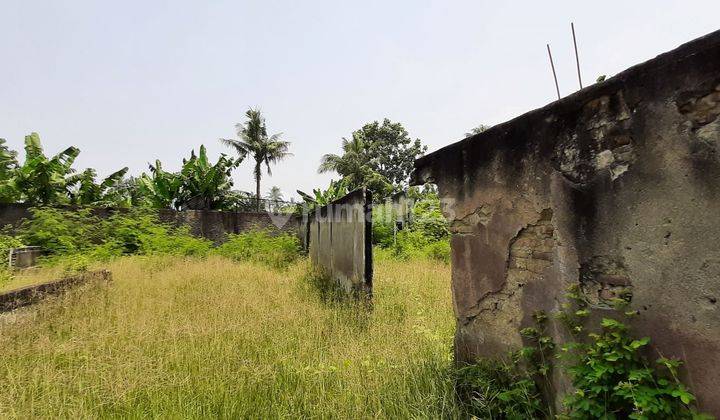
[[321, 198], [8, 165], [160, 189], [206, 186], [43, 180], [86, 191]]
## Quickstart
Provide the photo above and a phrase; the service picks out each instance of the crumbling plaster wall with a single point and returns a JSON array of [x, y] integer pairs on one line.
[[615, 188]]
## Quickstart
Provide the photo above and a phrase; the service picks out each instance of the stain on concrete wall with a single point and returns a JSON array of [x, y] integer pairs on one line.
[[615, 189], [340, 241], [210, 224]]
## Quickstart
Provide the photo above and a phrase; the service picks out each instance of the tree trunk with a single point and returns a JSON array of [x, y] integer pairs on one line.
[[257, 185]]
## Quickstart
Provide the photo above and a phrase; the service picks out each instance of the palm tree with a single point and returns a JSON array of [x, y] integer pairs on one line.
[[354, 166], [255, 141], [275, 196]]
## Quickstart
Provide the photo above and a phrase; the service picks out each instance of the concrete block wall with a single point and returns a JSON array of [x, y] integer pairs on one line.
[[210, 224], [616, 187], [340, 241]]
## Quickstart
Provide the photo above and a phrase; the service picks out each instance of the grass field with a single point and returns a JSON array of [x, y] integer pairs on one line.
[[173, 337]]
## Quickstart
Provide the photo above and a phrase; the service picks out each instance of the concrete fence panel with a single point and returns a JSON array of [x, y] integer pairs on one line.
[[340, 241]]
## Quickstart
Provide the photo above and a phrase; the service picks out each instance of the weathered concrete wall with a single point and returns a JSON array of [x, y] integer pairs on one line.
[[24, 257], [210, 224], [215, 225], [616, 186], [29, 295], [340, 241]]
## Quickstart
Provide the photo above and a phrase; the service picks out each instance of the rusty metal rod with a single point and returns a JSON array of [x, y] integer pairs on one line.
[[577, 58], [552, 65]]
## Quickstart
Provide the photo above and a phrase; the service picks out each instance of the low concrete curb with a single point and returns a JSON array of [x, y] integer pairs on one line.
[[28, 295]]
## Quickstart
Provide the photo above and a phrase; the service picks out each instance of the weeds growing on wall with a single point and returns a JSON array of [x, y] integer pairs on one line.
[[609, 372], [612, 377]]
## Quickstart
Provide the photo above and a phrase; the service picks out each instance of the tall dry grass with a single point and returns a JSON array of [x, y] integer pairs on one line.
[[175, 337]]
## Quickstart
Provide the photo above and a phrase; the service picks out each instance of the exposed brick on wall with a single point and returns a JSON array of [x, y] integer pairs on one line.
[[615, 189]]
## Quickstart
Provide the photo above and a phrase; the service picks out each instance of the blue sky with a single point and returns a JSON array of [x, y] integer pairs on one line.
[[128, 82]]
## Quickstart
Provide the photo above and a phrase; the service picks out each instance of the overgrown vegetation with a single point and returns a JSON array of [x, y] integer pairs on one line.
[[612, 377], [498, 389], [273, 250], [610, 374], [425, 234], [180, 337], [75, 238], [43, 180]]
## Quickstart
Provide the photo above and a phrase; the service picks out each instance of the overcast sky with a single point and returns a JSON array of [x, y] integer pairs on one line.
[[131, 81]]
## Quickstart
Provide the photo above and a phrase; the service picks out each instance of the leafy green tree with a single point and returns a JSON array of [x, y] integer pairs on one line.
[[391, 151], [43, 180], [203, 185], [255, 141]]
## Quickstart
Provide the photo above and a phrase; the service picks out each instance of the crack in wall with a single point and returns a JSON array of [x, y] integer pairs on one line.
[[468, 223]]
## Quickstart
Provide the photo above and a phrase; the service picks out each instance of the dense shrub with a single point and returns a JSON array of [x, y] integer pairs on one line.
[[439, 250], [382, 232], [274, 250], [7, 242], [428, 219], [59, 231], [141, 232], [411, 244], [79, 237], [425, 236]]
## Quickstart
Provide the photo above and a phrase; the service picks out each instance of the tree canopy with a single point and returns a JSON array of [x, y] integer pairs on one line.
[[255, 141], [377, 156]]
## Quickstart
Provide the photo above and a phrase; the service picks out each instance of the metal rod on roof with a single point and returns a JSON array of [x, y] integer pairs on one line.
[[577, 59], [552, 65]]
